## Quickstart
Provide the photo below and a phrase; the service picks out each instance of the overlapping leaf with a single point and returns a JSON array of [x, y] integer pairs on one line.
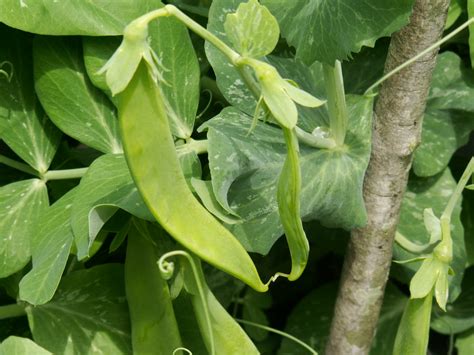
[[24, 126], [87, 315], [106, 187], [69, 98], [245, 171], [329, 30], [21, 204], [449, 117], [50, 247], [434, 193], [73, 17]]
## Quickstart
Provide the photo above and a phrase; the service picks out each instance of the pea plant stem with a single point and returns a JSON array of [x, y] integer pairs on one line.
[[64, 174], [459, 188], [336, 101], [11, 310], [17, 165]]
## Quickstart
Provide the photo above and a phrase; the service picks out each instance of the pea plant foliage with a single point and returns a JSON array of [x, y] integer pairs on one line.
[[181, 177]]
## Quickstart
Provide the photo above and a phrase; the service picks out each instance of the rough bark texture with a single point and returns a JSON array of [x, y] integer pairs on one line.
[[396, 133]]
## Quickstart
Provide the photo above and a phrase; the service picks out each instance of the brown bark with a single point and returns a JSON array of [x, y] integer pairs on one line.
[[396, 133]]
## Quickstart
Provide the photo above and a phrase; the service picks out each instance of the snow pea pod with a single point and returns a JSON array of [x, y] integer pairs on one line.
[[288, 197], [413, 331], [154, 326], [154, 165]]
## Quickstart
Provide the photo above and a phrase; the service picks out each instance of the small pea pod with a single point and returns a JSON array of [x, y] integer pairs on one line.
[[288, 196], [220, 332], [154, 165], [154, 326], [413, 330]]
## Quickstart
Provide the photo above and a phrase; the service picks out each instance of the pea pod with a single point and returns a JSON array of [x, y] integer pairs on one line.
[[220, 332], [288, 196], [413, 331], [153, 162], [154, 326]]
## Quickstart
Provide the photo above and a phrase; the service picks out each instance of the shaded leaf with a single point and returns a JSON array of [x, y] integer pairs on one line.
[[50, 248], [449, 116], [465, 343], [21, 204], [87, 315], [329, 30], [74, 105], [73, 17]]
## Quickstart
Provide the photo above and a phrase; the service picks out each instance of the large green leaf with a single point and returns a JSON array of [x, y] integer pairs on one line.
[[310, 320], [50, 247], [329, 30], [24, 128], [14, 345], [73, 17], [449, 116], [21, 203], [88, 314], [460, 315], [106, 187], [69, 98], [245, 170], [465, 343], [170, 40], [434, 193]]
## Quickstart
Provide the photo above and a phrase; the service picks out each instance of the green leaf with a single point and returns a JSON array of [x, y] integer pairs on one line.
[[24, 128], [97, 51], [449, 116], [245, 171], [460, 315], [467, 217], [425, 278], [21, 204], [87, 315], [434, 193], [228, 79], [329, 30], [252, 29], [106, 187], [170, 40], [50, 248], [73, 17], [74, 105], [465, 343], [14, 345]]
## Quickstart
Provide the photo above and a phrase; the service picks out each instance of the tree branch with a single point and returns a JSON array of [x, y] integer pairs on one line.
[[396, 133]]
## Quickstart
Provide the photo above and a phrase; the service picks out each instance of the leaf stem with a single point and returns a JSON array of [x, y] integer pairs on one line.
[[279, 332], [338, 116], [18, 166], [459, 188], [64, 174], [419, 55], [12, 310], [197, 146]]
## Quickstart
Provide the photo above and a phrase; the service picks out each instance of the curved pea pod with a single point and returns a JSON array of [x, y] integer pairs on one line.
[[227, 335], [414, 328], [288, 196], [154, 326], [153, 162]]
